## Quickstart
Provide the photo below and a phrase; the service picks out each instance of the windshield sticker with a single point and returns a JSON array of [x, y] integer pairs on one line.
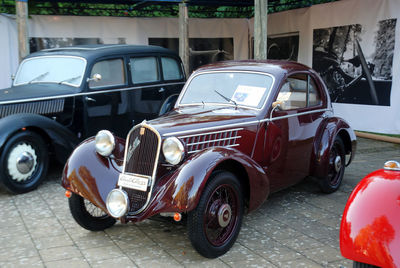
[[248, 95]]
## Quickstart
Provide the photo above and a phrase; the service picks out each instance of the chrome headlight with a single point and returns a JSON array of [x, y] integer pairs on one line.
[[173, 150], [105, 142], [392, 165], [117, 203]]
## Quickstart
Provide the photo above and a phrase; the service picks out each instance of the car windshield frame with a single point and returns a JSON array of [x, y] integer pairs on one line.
[[64, 82], [226, 103]]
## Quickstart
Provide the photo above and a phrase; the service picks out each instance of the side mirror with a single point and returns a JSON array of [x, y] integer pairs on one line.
[[96, 77], [13, 77], [276, 105]]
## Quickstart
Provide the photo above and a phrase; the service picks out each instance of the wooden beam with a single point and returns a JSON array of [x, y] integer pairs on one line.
[[21, 7], [184, 35], [260, 29]]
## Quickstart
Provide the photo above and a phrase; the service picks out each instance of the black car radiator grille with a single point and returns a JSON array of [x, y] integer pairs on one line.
[[38, 107], [141, 158]]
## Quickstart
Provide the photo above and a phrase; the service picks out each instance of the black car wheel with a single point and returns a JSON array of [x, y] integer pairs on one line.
[[24, 161], [362, 265], [337, 163], [214, 224], [89, 216]]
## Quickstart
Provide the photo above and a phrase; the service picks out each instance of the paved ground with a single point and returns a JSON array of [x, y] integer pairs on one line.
[[298, 227]]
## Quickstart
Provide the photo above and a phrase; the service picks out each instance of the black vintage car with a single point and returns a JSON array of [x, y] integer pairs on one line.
[[61, 96]]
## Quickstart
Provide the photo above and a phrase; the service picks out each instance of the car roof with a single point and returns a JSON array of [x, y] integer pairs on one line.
[[274, 67], [96, 51]]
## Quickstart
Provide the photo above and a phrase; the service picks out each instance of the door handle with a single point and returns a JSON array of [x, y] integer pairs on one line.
[[161, 90], [90, 99]]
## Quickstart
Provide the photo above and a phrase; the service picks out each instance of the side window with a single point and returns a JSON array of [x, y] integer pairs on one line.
[[171, 69], [314, 98], [144, 70], [112, 73], [293, 93]]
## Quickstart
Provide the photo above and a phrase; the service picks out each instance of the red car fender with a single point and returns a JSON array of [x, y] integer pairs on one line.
[[370, 228], [323, 142], [91, 175], [181, 191]]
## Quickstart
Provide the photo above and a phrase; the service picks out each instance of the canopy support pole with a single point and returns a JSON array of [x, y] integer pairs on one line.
[[21, 7], [260, 29], [184, 35]]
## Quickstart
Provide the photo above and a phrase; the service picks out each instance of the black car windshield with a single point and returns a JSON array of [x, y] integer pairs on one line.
[[228, 88], [51, 69]]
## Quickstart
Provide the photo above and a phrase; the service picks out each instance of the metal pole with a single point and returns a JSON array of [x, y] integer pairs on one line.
[[21, 7], [260, 29], [184, 35]]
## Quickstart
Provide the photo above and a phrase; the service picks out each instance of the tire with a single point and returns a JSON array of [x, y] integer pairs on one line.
[[24, 161], [214, 224], [88, 215], [336, 167], [357, 264]]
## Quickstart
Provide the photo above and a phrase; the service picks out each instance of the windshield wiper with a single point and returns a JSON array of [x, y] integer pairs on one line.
[[226, 98], [38, 77], [69, 79]]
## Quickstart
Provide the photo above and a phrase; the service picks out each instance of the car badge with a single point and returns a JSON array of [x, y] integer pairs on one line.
[[142, 130]]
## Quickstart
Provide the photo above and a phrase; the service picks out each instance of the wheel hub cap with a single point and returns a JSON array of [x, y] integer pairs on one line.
[[25, 162], [224, 215], [338, 163]]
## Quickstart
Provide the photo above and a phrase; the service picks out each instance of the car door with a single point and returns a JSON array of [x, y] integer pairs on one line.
[[106, 103], [292, 129]]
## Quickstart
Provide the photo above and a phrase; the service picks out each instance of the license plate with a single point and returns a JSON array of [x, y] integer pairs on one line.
[[133, 182]]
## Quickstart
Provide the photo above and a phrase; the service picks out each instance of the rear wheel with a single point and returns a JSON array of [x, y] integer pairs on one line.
[[362, 265], [214, 224], [24, 162], [89, 216]]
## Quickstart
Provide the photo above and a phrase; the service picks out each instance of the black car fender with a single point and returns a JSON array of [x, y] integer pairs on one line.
[[61, 139]]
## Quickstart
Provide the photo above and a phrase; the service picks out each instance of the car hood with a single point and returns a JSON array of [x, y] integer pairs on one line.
[[192, 119], [35, 91]]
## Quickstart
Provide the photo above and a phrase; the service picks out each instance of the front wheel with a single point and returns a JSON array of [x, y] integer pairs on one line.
[[87, 215], [214, 224], [357, 264], [336, 166], [24, 162]]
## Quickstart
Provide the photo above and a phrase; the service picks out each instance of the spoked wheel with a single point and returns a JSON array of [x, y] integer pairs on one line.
[[24, 162], [336, 167], [214, 224], [89, 216]]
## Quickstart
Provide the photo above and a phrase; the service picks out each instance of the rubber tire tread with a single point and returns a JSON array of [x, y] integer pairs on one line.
[[195, 217], [357, 264], [37, 141], [84, 219]]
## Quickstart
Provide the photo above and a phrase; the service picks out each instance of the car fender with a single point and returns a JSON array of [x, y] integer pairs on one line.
[[370, 227], [182, 190], [62, 139], [324, 139], [91, 175]]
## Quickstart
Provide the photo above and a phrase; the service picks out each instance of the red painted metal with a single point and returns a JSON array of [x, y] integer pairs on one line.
[[370, 228]]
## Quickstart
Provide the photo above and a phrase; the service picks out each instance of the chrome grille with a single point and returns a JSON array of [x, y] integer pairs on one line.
[[198, 142], [38, 107], [141, 157]]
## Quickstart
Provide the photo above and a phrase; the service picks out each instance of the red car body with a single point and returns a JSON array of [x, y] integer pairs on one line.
[[267, 148], [370, 228]]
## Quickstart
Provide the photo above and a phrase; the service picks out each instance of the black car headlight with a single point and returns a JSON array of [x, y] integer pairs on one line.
[[105, 142], [173, 150]]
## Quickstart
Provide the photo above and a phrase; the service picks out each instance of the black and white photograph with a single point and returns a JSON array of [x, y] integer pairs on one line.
[[355, 70], [201, 50], [283, 47]]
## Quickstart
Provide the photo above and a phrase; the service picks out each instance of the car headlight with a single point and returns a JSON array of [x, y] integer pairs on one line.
[[173, 150], [105, 142], [117, 203], [392, 165]]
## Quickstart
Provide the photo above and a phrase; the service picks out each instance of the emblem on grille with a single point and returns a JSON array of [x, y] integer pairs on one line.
[[142, 130], [132, 149]]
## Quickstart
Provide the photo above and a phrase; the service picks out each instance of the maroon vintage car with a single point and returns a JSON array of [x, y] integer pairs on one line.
[[238, 131]]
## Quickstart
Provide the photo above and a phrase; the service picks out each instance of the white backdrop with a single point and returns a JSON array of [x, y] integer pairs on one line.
[[384, 119]]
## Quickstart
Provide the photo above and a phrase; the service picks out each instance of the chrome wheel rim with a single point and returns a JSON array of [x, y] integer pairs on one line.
[[22, 162]]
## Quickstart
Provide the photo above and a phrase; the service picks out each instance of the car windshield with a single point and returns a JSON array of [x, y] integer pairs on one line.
[[228, 88], [54, 69]]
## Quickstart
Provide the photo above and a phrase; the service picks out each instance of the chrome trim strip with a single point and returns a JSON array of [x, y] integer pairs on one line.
[[294, 115], [211, 133], [153, 177], [54, 56], [225, 104], [229, 146], [88, 93], [208, 141]]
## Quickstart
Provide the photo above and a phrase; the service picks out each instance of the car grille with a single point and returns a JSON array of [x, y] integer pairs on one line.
[[198, 142], [38, 107], [141, 158]]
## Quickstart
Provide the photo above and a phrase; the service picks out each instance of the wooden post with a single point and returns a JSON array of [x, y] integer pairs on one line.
[[260, 29], [184, 35], [21, 7]]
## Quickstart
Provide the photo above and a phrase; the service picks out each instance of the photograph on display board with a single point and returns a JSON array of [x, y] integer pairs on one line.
[[201, 50], [354, 69], [281, 47], [39, 43]]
